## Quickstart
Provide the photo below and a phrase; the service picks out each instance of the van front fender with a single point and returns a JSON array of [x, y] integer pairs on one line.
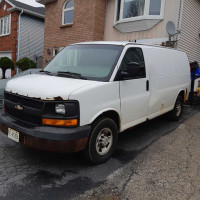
[[104, 112]]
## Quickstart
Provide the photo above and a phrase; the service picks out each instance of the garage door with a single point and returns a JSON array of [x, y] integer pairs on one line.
[[8, 72]]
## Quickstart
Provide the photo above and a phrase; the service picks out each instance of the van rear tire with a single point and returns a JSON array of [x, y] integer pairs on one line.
[[176, 113], [102, 142]]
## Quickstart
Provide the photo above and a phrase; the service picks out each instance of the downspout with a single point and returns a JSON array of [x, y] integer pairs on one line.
[[18, 36], [179, 25]]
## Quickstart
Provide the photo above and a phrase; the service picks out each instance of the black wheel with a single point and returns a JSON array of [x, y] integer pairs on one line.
[[103, 141], [176, 113]]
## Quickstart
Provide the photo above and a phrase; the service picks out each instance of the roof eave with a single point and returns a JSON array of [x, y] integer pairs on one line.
[[27, 11], [44, 2]]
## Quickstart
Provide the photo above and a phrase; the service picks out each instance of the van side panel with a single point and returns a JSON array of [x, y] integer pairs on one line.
[[169, 73]]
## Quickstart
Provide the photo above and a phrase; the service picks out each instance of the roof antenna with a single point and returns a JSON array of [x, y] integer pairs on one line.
[[133, 41]]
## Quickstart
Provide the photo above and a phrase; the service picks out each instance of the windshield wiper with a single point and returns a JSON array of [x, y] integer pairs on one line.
[[71, 75], [46, 72]]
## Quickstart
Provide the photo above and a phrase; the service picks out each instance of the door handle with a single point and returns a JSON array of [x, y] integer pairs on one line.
[[147, 85]]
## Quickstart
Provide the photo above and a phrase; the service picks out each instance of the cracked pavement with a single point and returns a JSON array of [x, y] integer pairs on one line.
[[155, 160]]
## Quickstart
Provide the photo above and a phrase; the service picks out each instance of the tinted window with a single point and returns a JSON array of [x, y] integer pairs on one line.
[[134, 55]]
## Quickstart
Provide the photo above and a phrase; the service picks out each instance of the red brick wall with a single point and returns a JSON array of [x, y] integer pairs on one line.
[[88, 25], [9, 42]]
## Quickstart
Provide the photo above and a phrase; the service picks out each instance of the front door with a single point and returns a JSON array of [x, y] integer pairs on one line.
[[134, 91]]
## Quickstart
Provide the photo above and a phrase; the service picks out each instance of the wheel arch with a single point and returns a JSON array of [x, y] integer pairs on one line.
[[183, 94], [110, 113]]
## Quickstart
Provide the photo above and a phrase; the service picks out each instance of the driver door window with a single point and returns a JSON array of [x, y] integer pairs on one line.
[[134, 55]]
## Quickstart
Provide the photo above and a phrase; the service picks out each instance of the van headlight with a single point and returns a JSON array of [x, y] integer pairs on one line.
[[60, 109], [66, 113]]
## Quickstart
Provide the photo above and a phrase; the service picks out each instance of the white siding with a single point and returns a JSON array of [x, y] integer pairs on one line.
[[190, 30], [31, 37]]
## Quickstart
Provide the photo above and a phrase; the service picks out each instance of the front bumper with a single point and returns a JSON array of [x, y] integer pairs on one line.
[[47, 138]]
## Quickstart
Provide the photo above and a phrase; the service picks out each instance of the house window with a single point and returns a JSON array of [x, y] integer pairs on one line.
[[68, 12], [55, 52], [155, 6], [5, 23], [4, 6], [131, 10]]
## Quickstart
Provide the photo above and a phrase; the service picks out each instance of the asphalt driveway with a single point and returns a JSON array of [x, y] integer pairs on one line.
[[156, 160]]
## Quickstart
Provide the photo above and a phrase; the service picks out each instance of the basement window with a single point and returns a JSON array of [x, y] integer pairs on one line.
[[68, 12], [5, 24]]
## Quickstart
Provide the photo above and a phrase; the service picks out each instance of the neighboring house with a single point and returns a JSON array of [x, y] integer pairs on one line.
[[71, 21], [21, 31]]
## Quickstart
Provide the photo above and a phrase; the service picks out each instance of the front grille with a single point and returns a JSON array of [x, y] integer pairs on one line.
[[23, 116], [26, 101], [32, 108]]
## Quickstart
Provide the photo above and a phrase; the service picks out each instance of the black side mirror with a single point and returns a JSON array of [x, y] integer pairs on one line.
[[132, 71]]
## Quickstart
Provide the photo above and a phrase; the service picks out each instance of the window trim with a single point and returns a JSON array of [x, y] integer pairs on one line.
[[63, 13], [9, 20], [145, 16], [55, 51]]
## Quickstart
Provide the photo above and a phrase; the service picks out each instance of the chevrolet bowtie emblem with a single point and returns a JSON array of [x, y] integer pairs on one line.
[[18, 107]]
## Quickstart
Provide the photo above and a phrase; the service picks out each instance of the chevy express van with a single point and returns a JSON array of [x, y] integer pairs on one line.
[[90, 92]]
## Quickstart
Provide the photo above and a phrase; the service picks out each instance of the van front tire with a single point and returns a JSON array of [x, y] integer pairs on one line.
[[103, 141], [176, 113]]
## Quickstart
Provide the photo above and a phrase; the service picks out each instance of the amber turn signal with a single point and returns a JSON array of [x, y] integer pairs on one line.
[[58, 122]]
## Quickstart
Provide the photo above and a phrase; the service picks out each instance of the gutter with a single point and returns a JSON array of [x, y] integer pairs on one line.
[[44, 2], [27, 11], [180, 17]]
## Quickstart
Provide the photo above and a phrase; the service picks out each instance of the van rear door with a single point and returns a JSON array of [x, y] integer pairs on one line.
[[134, 91]]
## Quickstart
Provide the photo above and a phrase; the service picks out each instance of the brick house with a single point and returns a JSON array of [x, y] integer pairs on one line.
[[21, 31], [71, 21]]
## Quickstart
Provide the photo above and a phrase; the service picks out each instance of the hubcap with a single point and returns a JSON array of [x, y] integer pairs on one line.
[[104, 141], [178, 108]]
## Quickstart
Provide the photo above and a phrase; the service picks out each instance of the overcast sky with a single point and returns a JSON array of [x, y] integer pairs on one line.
[[31, 2]]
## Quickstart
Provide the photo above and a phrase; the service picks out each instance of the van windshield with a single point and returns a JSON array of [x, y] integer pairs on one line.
[[93, 62]]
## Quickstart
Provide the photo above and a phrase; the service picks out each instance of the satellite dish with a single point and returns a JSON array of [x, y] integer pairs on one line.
[[171, 29]]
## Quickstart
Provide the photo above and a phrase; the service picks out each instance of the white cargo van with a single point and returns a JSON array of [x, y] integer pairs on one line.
[[90, 92]]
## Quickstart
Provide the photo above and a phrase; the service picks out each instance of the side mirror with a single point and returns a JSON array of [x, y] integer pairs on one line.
[[132, 71]]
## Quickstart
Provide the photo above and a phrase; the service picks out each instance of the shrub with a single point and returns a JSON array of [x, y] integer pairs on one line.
[[25, 63], [6, 63]]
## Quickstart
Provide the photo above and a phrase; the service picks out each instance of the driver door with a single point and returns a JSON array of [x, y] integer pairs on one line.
[[134, 91]]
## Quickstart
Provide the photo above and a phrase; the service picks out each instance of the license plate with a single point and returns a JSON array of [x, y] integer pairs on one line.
[[13, 135]]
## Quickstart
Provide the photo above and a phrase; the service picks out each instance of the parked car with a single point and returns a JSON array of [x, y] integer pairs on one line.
[[90, 92], [4, 81]]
